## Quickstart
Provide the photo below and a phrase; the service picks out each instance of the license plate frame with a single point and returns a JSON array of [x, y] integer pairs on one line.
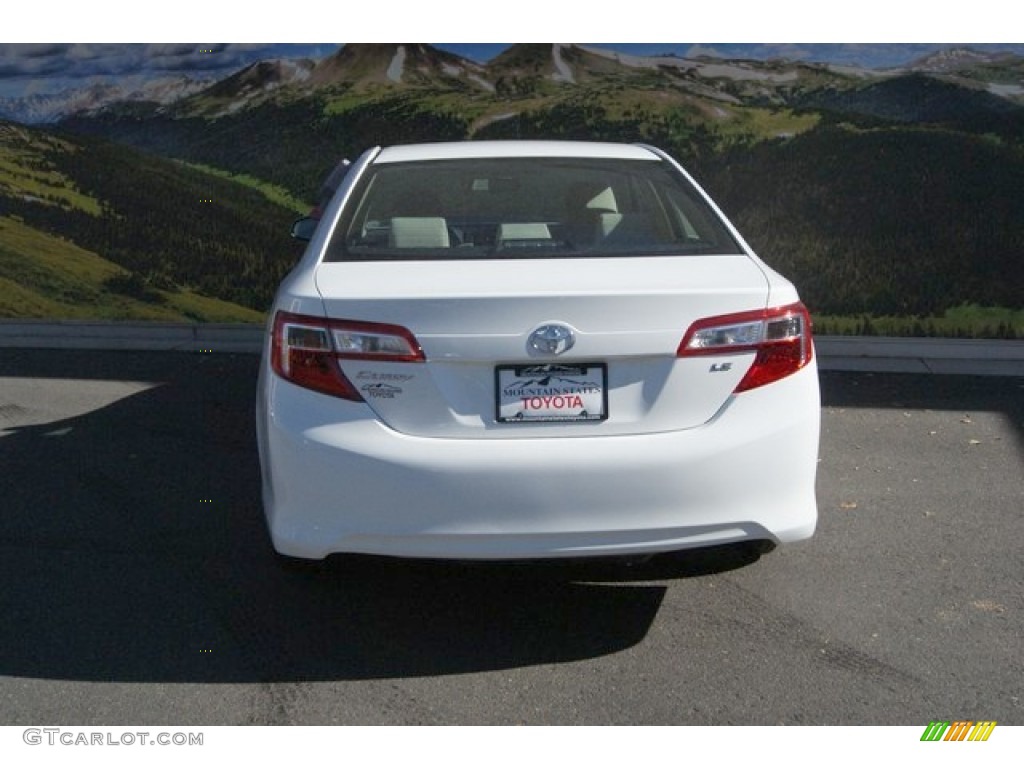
[[560, 393]]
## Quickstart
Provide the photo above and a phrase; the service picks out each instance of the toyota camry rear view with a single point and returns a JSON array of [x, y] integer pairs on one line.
[[512, 350]]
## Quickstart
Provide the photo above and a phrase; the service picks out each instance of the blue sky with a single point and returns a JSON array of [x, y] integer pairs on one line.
[[36, 68]]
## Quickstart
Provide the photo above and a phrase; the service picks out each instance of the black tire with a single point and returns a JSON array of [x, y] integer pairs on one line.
[[290, 564]]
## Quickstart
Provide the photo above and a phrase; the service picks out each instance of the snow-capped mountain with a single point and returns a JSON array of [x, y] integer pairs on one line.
[[261, 77], [952, 60], [397, 64], [52, 107], [522, 70], [248, 86]]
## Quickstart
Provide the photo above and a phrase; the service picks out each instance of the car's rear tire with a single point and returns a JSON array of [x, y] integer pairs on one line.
[[290, 564]]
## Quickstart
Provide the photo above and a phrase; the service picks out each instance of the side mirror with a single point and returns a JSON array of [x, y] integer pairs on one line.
[[304, 228]]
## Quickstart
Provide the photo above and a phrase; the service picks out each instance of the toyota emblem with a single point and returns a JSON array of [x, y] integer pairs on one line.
[[552, 339]]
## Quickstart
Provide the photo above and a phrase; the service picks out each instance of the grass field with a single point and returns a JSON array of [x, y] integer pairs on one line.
[[968, 321], [43, 276], [271, 192], [25, 172]]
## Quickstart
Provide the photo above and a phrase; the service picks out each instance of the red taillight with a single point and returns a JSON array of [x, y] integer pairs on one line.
[[780, 337], [306, 350]]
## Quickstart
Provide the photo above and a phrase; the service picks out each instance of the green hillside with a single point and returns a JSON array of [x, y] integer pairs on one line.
[[901, 221], [293, 143], [93, 229], [44, 276], [892, 201]]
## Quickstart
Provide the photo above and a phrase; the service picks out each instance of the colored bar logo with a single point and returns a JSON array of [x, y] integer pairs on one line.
[[959, 730]]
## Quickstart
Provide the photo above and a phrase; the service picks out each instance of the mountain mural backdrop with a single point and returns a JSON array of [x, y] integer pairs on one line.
[[891, 196]]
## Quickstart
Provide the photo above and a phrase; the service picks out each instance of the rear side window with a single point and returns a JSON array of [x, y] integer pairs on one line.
[[525, 208]]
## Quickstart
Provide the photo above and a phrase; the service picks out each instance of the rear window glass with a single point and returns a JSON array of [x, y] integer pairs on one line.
[[525, 208]]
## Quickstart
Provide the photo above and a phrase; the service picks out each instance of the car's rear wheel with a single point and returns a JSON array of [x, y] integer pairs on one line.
[[290, 564]]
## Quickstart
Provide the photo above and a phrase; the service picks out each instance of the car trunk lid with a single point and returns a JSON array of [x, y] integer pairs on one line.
[[474, 320]]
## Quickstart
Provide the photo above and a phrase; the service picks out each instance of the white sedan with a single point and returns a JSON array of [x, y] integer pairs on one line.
[[517, 350]]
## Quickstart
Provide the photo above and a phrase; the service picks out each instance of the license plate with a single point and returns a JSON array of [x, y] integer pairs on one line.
[[552, 392]]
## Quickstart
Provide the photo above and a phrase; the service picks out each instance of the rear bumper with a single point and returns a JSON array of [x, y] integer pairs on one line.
[[336, 480]]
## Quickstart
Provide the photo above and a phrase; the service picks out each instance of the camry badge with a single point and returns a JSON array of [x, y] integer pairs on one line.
[[552, 339]]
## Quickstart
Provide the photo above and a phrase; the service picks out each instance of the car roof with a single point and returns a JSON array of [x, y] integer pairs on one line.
[[501, 149]]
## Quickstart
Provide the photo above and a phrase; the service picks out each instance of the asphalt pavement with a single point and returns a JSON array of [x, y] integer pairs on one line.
[[139, 585]]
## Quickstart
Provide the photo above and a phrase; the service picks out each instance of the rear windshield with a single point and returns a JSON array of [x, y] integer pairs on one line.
[[525, 208]]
